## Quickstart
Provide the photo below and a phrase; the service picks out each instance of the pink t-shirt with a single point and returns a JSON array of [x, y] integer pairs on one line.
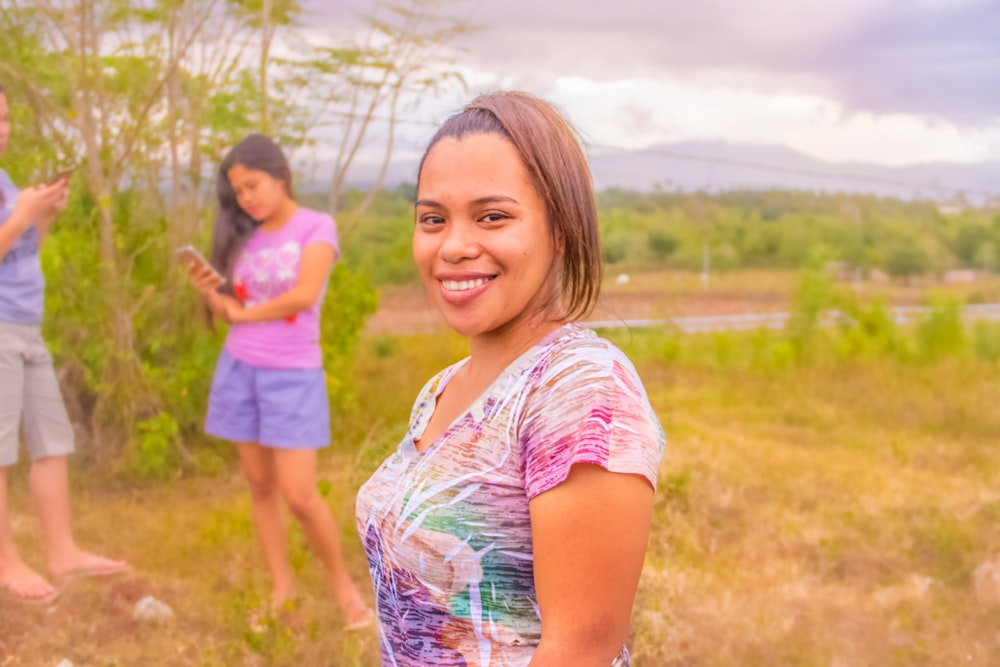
[[267, 268]]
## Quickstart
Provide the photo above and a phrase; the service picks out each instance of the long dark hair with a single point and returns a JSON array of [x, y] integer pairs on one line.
[[555, 162], [233, 226]]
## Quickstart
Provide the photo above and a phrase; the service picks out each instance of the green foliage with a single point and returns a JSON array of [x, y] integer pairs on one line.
[[379, 244], [828, 326], [941, 334], [907, 260], [773, 229], [986, 340], [156, 445], [662, 244], [868, 330], [813, 298], [348, 303]]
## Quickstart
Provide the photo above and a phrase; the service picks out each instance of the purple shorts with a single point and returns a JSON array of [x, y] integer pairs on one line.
[[286, 408]]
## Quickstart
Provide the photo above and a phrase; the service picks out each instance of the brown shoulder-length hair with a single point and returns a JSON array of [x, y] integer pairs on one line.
[[550, 151]]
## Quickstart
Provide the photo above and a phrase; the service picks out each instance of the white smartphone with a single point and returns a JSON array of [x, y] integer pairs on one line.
[[188, 254]]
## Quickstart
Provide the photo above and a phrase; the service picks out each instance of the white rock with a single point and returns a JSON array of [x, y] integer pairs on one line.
[[986, 582], [151, 609]]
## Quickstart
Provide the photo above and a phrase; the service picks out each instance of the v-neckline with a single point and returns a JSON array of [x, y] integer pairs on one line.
[[508, 370], [426, 417]]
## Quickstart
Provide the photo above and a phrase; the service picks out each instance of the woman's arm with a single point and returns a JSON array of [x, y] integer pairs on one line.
[[44, 221], [11, 230], [317, 260], [40, 203], [589, 539], [203, 279]]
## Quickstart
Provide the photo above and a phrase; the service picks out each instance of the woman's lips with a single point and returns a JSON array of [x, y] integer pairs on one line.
[[461, 290]]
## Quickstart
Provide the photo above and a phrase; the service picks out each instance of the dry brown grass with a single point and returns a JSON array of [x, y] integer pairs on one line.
[[823, 518], [826, 516], [192, 546]]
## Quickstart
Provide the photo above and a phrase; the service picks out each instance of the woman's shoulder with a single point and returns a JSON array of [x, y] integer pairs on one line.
[[312, 226], [577, 347], [310, 217]]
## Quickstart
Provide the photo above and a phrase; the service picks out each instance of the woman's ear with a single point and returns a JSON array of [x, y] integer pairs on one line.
[[560, 245]]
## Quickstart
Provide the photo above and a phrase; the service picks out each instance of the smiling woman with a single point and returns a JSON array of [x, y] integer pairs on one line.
[[510, 526]]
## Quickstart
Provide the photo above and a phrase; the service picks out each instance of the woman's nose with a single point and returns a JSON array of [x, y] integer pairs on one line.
[[460, 242]]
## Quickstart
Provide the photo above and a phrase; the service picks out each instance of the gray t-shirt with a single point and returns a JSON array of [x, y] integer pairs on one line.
[[22, 286]]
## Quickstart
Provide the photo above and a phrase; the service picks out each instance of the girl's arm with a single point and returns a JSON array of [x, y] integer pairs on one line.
[[203, 279], [589, 539], [33, 204], [44, 221], [11, 230], [317, 260]]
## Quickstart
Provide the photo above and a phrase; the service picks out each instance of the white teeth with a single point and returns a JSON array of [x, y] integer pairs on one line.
[[462, 285]]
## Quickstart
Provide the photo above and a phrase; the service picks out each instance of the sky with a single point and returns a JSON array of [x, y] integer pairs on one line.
[[890, 82]]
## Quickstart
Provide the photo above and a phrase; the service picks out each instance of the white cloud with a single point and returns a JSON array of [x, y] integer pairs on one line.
[[885, 81], [635, 113]]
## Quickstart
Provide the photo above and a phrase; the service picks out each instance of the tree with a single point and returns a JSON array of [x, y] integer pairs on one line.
[[144, 98], [907, 260], [403, 58]]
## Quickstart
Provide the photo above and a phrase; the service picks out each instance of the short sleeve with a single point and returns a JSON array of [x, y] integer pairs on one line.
[[588, 406], [321, 229]]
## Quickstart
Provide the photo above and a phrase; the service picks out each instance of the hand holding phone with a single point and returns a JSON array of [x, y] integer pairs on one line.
[[63, 175], [188, 255]]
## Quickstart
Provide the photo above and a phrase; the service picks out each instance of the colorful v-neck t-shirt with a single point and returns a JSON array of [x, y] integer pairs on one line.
[[446, 529]]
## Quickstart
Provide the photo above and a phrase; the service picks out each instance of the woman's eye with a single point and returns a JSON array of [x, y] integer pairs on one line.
[[432, 220], [494, 217]]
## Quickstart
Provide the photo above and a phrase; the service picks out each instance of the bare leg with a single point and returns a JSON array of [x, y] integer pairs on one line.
[[15, 575], [258, 466], [297, 479], [49, 483]]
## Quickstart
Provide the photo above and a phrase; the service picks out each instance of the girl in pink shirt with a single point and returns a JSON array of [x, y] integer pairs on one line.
[[269, 391]]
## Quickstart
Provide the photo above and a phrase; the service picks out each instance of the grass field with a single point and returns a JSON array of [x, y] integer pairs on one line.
[[828, 513]]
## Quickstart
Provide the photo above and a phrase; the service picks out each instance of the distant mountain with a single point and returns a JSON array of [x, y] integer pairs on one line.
[[720, 166]]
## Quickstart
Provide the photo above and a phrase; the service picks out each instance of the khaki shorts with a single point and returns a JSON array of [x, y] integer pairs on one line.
[[30, 401]]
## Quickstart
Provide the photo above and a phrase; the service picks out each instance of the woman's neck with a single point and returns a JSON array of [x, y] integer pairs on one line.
[[278, 219], [491, 353]]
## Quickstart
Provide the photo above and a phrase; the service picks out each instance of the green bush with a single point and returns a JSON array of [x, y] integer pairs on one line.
[[940, 333]]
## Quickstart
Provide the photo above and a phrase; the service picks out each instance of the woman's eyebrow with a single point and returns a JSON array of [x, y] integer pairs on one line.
[[489, 199], [494, 199]]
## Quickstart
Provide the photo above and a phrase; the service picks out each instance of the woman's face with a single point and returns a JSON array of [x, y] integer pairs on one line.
[[4, 123], [258, 193], [482, 243]]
